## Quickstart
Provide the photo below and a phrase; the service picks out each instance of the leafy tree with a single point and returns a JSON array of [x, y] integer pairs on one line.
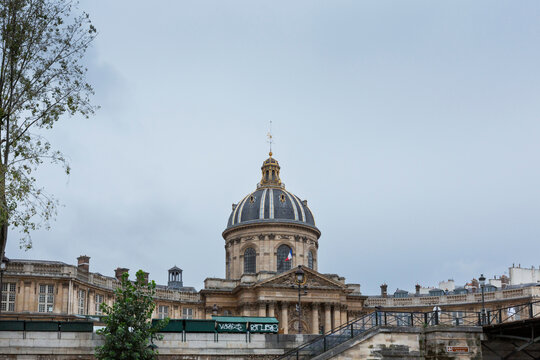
[[41, 80], [128, 333]]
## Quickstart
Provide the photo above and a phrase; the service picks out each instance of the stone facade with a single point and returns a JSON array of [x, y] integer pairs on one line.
[[67, 345], [327, 302], [265, 240], [51, 289], [411, 344], [471, 302]]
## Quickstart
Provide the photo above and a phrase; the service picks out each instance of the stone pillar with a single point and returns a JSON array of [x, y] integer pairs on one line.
[[327, 318], [337, 316], [27, 301], [271, 308], [58, 298], [344, 316], [284, 318], [71, 298], [315, 318], [262, 309], [245, 311], [91, 303]]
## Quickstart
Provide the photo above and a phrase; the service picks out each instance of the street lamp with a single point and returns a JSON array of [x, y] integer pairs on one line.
[[3, 266], [482, 281], [300, 280]]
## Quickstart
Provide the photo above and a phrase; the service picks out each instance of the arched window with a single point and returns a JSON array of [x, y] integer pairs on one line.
[[249, 261], [310, 259], [282, 255]]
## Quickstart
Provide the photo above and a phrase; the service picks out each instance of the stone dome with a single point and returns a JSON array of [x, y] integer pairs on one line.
[[270, 202]]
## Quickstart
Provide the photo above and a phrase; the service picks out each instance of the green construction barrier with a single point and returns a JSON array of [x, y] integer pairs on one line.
[[201, 326], [11, 325], [174, 325], [231, 327], [41, 325], [77, 326]]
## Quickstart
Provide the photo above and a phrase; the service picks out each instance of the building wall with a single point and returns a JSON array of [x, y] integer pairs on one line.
[[519, 275], [266, 240], [76, 291], [66, 345], [470, 302]]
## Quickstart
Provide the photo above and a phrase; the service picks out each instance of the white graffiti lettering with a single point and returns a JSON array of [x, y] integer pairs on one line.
[[263, 328], [230, 327]]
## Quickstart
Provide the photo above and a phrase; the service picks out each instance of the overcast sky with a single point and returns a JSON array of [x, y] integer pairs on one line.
[[411, 127]]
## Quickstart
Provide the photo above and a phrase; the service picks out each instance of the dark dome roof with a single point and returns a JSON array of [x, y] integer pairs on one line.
[[268, 205]]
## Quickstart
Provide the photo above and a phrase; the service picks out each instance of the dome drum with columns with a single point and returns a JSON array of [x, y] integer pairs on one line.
[[270, 230]]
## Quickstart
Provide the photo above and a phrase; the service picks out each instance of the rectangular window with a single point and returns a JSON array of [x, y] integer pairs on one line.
[[163, 311], [187, 313], [99, 300], [82, 302], [46, 298], [8, 297]]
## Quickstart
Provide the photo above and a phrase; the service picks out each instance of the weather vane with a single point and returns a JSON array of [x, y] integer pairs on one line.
[[270, 138]]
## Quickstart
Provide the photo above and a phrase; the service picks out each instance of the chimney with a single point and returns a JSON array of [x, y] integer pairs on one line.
[[83, 262], [119, 272], [504, 281], [146, 277], [384, 287], [417, 287]]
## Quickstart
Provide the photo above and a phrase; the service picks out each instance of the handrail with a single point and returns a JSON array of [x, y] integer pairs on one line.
[[381, 317]]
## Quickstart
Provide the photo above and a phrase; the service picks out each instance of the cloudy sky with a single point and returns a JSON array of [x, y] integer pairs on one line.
[[411, 127]]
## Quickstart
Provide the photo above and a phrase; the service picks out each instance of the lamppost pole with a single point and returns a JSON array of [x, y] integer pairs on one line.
[[299, 310], [300, 280], [3, 266], [482, 281]]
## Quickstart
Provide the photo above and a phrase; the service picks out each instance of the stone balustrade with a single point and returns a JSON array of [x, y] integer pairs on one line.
[[505, 294]]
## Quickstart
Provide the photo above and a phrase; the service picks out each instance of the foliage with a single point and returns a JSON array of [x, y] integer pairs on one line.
[[41, 80], [128, 333]]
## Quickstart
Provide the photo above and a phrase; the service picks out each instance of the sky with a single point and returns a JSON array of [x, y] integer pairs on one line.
[[411, 127]]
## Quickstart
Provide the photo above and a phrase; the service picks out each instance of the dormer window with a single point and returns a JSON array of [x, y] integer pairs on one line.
[[282, 198], [251, 199]]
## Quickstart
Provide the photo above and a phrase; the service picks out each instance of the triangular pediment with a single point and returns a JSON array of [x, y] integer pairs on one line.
[[314, 280]]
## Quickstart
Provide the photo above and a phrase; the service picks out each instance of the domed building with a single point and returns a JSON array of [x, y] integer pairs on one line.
[[270, 230], [271, 235]]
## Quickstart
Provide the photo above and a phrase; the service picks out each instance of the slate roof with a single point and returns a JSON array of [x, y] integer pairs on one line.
[[271, 204]]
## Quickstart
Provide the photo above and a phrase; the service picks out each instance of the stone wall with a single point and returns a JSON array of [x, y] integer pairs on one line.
[[411, 344], [381, 343], [68, 345]]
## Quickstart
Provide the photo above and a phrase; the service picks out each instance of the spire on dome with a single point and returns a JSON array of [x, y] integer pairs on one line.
[[270, 173]]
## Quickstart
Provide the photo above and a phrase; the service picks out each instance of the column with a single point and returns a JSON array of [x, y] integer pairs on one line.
[[65, 298], [315, 318], [91, 303], [271, 307], [284, 318], [26, 300], [337, 316], [58, 298], [262, 309], [245, 310], [327, 318], [343, 316]]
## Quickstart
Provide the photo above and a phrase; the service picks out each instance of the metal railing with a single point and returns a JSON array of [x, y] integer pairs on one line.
[[381, 318], [512, 313]]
